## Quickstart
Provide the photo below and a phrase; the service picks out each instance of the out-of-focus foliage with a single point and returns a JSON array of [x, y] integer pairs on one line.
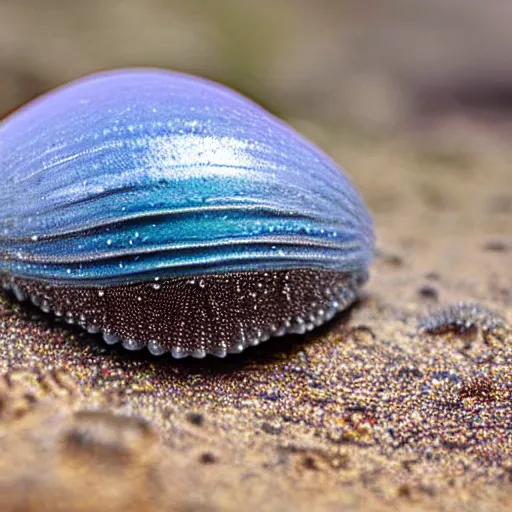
[[372, 63]]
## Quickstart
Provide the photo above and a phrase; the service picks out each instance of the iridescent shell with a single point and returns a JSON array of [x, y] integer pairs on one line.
[[167, 211]]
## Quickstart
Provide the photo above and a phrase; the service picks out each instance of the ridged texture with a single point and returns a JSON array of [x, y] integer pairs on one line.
[[141, 174]]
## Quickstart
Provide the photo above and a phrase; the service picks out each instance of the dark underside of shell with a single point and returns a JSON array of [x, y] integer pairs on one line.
[[195, 316]]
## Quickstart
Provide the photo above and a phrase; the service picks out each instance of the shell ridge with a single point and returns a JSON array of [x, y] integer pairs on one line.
[[292, 242], [152, 216], [119, 271]]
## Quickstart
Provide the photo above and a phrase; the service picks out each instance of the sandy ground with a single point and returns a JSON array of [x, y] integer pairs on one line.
[[371, 412], [368, 413]]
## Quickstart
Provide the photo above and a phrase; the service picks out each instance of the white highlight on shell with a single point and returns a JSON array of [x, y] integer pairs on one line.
[[45, 306], [220, 352], [199, 353], [156, 348], [110, 339], [215, 155], [236, 349], [35, 299], [19, 293], [133, 344], [178, 352]]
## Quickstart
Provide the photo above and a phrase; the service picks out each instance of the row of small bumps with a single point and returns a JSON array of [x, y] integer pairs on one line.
[[339, 300]]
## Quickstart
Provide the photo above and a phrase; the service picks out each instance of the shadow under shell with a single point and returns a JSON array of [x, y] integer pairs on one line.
[[211, 314]]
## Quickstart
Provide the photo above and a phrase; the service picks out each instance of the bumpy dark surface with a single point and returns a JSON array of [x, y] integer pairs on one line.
[[216, 313], [368, 413]]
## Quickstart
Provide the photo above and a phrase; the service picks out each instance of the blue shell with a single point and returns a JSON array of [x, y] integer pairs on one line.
[[133, 176]]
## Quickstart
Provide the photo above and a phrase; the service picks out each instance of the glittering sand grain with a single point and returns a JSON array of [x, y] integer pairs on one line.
[[369, 413]]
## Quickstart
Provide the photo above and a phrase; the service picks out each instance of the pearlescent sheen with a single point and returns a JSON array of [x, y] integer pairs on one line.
[[136, 176]]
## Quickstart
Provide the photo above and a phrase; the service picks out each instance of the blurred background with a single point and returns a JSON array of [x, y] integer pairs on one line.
[[370, 66]]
